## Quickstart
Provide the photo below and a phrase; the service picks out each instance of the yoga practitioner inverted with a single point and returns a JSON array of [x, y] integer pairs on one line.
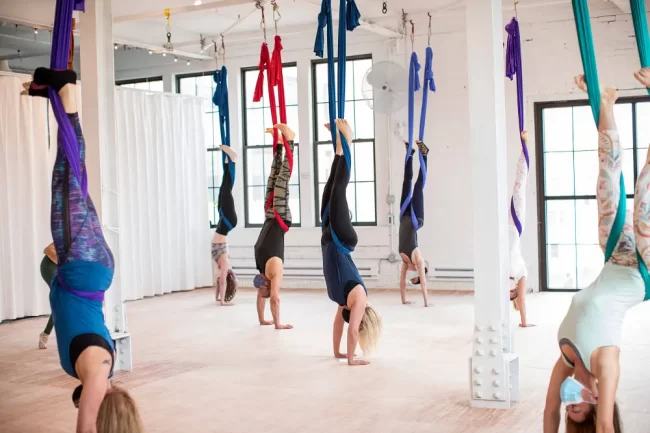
[[269, 248], [344, 284], [590, 335], [85, 272], [412, 260], [226, 284], [518, 271], [48, 270]]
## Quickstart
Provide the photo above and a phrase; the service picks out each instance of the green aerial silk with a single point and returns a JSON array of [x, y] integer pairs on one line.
[[643, 44], [641, 31], [586, 42]]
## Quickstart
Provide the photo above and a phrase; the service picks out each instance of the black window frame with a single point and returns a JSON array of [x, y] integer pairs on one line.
[[177, 81], [316, 143], [138, 80], [245, 147], [540, 180]]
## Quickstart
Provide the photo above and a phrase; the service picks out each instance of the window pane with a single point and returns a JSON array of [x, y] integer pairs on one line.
[[209, 163], [250, 80], [290, 75], [590, 263], [255, 205], [349, 113], [321, 187], [204, 87], [156, 86], [266, 169], [561, 260], [623, 115], [187, 86], [361, 67], [586, 167], [558, 130], [365, 121], [255, 127], [325, 158], [643, 124], [321, 83], [323, 117], [351, 195], [292, 121], [295, 175], [628, 170], [364, 153], [294, 203], [349, 80], [585, 133], [641, 157], [366, 201], [587, 222], [558, 173], [560, 222], [255, 170], [142, 86], [208, 132]]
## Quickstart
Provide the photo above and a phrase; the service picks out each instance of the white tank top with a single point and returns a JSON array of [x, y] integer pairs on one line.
[[595, 317]]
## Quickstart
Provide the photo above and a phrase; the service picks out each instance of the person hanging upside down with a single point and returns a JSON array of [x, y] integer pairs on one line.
[[344, 284], [85, 272], [590, 335], [48, 270], [518, 271], [412, 260], [226, 284], [269, 248]]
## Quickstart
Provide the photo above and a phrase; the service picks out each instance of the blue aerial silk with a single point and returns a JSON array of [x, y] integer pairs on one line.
[[220, 99], [348, 20]]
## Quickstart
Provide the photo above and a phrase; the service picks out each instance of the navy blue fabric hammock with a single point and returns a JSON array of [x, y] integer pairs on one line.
[[220, 99], [348, 20]]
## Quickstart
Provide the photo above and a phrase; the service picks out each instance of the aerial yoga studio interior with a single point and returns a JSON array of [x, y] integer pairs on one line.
[[220, 216]]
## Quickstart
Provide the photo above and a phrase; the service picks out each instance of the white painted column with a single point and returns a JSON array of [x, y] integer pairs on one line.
[[98, 102], [306, 148], [493, 368]]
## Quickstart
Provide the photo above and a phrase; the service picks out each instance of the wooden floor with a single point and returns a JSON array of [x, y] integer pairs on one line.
[[201, 368]]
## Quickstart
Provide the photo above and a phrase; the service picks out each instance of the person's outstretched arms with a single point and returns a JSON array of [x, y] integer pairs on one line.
[[553, 402], [337, 333]]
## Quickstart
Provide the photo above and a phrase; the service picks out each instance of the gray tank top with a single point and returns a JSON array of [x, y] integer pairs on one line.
[[408, 236]]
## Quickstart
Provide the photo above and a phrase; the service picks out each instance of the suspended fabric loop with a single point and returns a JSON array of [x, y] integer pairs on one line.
[[220, 99], [414, 86], [641, 30], [349, 15], [514, 68], [273, 67], [586, 43], [61, 39]]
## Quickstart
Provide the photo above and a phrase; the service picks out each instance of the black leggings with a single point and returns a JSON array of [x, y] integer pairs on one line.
[[226, 204], [334, 194], [417, 201]]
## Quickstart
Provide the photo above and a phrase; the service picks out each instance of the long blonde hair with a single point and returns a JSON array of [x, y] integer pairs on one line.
[[589, 424], [118, 413], [369, 330]]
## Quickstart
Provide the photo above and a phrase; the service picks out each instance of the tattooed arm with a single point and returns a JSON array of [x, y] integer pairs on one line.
[[642, 212]]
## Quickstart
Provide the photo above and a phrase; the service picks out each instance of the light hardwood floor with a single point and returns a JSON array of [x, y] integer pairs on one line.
[[203, 368]]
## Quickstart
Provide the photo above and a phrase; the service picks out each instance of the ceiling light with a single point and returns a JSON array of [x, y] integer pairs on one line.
[[175, 59], [198, 3], [150, 52], [116, 46], [188, 63], [164, 54], [35, 31]]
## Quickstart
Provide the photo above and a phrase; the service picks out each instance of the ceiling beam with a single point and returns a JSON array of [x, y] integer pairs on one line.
[[158, 49], [160, 13]]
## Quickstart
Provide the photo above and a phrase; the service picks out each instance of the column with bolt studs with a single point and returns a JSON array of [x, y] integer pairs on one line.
[[493, 369]]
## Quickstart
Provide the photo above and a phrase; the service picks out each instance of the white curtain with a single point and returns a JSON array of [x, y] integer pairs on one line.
[[163, 191], [26, 162]]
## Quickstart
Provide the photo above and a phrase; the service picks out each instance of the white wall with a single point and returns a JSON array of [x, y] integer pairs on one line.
[[550, 60]]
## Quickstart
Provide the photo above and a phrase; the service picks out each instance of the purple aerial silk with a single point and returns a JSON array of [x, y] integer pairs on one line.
[[513, 67], [61, 34]]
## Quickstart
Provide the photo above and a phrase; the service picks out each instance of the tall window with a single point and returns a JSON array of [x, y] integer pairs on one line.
[[154, 84], [258, 144], [203, 85], [361, 192], [568, 170]]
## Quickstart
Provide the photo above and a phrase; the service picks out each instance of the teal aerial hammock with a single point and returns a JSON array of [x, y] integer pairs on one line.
[[586, 42], [641, 30], [348, 20], [220, 99]]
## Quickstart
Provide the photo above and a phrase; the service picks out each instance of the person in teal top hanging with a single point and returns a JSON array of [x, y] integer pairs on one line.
[[590, 335]]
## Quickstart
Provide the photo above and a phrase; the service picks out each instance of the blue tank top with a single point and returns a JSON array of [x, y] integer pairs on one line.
[[341, 274], [73, 314]]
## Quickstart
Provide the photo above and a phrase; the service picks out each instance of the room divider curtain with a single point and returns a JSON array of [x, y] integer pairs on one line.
[[25, 194], [163, 221]]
